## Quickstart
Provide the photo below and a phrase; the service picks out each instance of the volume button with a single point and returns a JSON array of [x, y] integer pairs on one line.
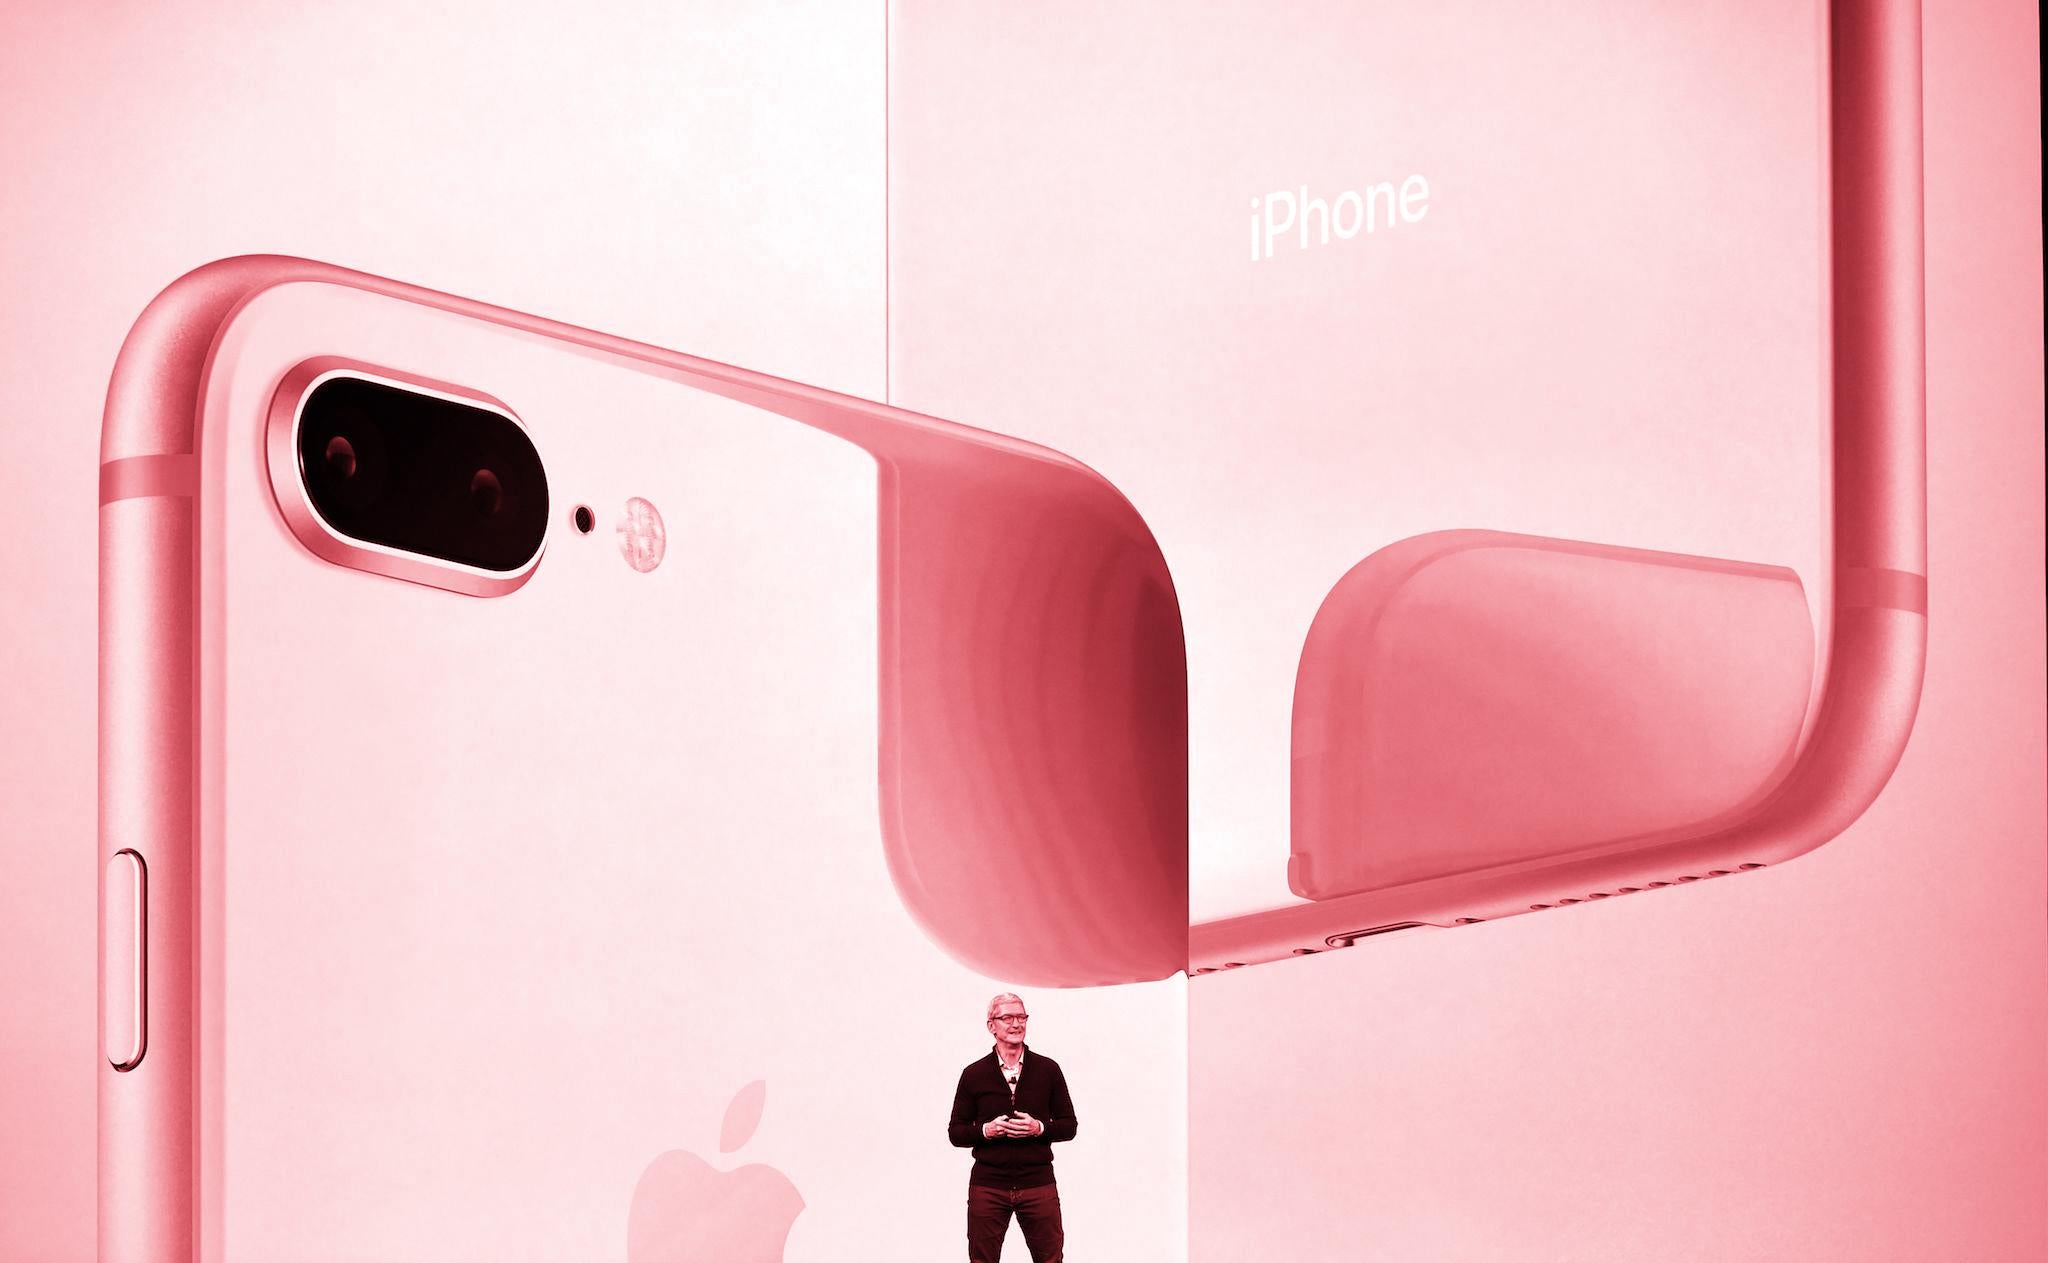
[[124, 961]]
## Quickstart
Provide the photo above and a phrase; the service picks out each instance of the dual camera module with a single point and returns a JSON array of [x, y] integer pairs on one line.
[[422, 474], [444, 488]]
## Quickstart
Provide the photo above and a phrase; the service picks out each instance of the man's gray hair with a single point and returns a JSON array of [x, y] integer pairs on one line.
[[997, 1003]]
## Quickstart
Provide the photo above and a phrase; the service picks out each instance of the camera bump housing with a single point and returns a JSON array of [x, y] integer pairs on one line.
[[419, 480]]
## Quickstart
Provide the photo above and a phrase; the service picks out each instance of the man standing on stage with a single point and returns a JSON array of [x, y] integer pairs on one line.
[[1010, 1107]]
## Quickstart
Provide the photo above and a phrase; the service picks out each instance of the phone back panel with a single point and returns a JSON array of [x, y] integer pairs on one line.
[[1595, 315], [509, 897]]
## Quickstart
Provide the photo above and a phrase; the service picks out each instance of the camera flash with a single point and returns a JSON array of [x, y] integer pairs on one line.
[[642, 538]]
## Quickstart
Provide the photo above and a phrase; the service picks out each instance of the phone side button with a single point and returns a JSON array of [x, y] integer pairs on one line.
[[124, 961]]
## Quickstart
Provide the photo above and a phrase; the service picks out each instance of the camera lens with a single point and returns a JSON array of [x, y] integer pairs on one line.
[[421, 473], [485, 492], [341, 457]]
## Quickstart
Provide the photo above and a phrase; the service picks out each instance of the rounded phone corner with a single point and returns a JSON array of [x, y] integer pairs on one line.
[[1034, 743], [1302, 880], [153, 391], [1476, 700]]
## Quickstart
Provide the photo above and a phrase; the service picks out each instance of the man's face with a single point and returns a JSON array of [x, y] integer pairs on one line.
[[1008, 1024]]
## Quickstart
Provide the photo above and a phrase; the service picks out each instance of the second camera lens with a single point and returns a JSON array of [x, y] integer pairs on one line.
[[485, 493]]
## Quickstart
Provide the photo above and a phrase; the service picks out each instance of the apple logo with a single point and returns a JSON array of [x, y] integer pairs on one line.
[[687, 1211]]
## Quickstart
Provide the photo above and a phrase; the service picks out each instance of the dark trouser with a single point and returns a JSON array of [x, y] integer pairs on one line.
[[1038, 1214]]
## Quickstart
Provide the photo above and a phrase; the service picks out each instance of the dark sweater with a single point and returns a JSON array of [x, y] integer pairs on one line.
[[983, 1095]]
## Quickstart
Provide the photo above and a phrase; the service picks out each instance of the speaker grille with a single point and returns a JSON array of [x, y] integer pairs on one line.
[[1633, 890], [1346, 940]]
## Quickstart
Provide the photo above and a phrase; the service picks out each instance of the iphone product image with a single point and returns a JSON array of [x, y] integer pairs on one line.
[[1487, 724], [522, 771], [1513, 576]]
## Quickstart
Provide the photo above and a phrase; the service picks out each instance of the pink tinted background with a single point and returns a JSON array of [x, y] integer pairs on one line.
[[1608, 327], [1842, 1058]]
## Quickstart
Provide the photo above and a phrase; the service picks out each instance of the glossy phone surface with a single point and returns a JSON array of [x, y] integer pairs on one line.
[[556, 924]]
